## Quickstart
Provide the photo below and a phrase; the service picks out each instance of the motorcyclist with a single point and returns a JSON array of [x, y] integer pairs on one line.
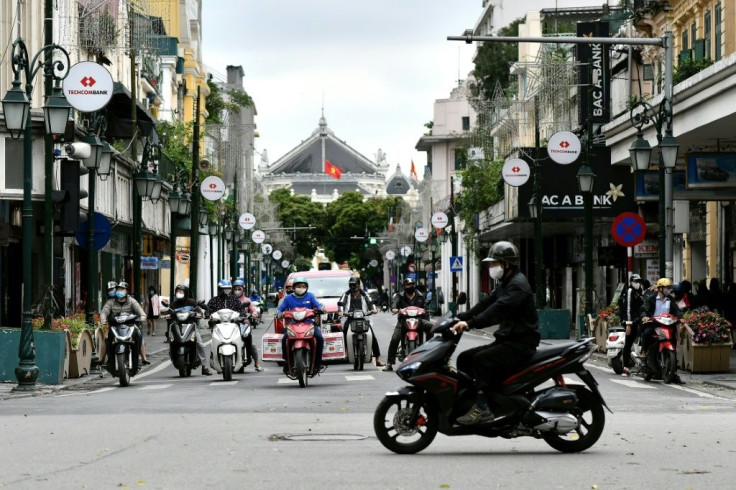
[[511, 305], [629, 310], [357, 299], [409, 297], [123, 303], [288, 289], [247, 307], [657, 304], [182, 299], [302, 298]]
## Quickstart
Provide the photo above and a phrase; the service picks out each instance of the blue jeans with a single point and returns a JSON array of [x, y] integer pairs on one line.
[[320, 345]]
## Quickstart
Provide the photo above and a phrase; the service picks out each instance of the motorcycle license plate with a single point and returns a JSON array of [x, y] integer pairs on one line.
[[612, 352]]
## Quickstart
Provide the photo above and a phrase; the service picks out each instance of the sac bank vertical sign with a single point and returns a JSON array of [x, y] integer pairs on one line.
[[594, 74]]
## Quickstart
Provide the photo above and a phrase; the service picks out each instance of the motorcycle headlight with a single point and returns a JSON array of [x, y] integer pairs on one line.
[[299, 315], [182, 315], [357, 314], [411, 313], [225, 316], [408, 370], [309, 332]]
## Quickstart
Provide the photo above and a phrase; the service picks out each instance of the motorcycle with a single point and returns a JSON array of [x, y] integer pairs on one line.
[[226, 351], [615, 348], [569, 418], [411, 318], [301, 345], [359, 339], [661, 359], [183, 346], [123, 327]]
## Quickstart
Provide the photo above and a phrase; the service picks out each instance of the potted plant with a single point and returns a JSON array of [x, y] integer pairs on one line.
[[80, 357], [49, 349], [707, 341], [606, 319]]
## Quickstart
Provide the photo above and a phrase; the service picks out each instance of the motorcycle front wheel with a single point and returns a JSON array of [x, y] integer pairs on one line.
[[410, 346], [123, 371], [668, 363], [591, 419], [227, 368], [182, 362], [300, 367], [396, 429], [359, 354]]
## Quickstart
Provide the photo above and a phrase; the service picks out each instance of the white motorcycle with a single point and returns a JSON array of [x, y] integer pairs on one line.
[[359, 340], [615, 348], [226, 351]]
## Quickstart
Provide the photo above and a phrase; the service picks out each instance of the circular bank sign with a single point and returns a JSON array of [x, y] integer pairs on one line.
[[88, 86]]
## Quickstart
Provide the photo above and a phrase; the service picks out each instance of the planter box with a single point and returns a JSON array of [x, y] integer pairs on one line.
[[50, 354], [80, 359], [598, 329], [706, 358], [67, 352], [554, 324]]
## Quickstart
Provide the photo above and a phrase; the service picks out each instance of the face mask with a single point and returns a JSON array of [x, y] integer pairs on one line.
[[179, 295], [300, 291], [636, 285], [238, 294], [224, 292], [409, 290], [353, 287], [289, 291], [666, 291], [111, 293], [496, 272], [120, 294]]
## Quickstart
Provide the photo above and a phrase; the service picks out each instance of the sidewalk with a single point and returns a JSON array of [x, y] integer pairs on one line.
[[155, 346]]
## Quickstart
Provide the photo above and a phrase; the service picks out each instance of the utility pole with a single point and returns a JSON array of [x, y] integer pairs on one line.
[[194, 232]]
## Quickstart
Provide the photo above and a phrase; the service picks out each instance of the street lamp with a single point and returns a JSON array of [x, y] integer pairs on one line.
[[212, 229], [178, 206], [642, 113], [17, 110], [586, 179], [147, 186]]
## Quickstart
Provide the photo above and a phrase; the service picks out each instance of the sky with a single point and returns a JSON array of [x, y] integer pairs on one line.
[[379, 65]]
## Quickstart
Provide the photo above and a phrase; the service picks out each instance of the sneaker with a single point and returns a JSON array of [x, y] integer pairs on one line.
[[380, 363], [677, 380], [388, 367], [475, 415], [626, 372], [206, 372], [259, 369]]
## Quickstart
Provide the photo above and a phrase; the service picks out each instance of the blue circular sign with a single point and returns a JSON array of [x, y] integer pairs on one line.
[[628, 229], [103, 232]]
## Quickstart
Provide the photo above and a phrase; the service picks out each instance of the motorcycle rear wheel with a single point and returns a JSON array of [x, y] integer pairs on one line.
[[617, 363], [395, 430], [123, 371], [410, 346], [668, 361], [358, 353], [589, 412]]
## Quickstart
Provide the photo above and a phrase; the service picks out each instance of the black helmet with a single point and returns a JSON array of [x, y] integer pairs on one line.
[[183, 287], [353, 281], [408, 282], [503, 252], [678, 288]]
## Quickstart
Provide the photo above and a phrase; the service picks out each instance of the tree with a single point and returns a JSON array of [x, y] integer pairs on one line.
[[217, 104], [300, 211], [493, 61]]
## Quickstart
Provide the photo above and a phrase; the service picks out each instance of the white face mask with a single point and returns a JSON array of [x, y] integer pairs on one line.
[[300, 291], [496, 272], [238, 294], [636, 285], [179, 295]]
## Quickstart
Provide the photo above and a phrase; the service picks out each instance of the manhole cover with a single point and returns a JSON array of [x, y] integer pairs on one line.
[[317, 437]]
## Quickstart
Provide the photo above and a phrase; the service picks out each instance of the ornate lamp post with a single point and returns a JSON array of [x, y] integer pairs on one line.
[[586, 179], [641, 114], [212, 229], [17, 112], [147, 186]]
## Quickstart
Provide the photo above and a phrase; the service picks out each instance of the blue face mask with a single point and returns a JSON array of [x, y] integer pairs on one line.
[[120, 294], [111, 293]]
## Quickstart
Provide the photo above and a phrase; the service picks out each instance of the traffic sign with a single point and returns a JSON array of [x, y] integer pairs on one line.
[[628, 229], [247, 221], [456, 264]]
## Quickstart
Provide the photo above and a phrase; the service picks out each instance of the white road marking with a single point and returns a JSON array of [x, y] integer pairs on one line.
[[155, 387], [224, 383], [634, 384], [360, 377], [102, 390], [149, 372], [696, 392], [283, 381]]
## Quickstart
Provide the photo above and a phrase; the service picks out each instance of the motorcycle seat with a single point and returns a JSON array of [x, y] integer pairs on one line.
[[550, 351]]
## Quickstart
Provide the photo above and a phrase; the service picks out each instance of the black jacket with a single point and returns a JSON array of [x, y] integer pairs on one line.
[[630, 306], [402, 301], [224, 301], [650, 303], [511, 305]]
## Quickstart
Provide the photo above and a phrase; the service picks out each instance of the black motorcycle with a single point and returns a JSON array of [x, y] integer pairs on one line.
[[570, 418], [183, 346], [122, 327]]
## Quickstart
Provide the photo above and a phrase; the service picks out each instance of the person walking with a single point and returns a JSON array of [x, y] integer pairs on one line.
[[153, 310]]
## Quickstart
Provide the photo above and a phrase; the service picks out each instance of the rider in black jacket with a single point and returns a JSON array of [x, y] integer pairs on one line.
[[409, 297], [511, 305]]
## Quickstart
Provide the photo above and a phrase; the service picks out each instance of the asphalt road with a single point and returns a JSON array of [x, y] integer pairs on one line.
[[261, 431]]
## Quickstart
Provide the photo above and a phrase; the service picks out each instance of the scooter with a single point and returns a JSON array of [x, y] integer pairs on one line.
[[568, 417], [183, 346], [123, 327], [226, 350], [359, 339], [246, 335], [661, 359], [615, 348], [301, 345], [411, 318]]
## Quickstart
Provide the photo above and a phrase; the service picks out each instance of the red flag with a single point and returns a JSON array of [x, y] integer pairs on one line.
[[332, 170], [414, 170]]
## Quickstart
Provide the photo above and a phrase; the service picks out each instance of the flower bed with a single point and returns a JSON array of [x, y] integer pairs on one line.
[[708, 342]]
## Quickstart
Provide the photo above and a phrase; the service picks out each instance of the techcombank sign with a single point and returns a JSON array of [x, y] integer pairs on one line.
[[88, 86]]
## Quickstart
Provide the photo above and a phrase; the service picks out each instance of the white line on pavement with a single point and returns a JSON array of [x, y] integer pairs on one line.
[[155, 387], [634, 384], [361, 377], [223, 383], [158, 368]]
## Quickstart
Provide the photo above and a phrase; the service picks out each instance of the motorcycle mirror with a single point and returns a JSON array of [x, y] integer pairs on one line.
[[462, 298]]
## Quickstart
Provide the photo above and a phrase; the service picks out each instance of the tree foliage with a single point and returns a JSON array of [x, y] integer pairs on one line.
[[300, 211], [482, 187], [493, 61], [217, 104]]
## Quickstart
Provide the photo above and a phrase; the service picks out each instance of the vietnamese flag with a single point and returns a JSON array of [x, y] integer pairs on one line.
[[414, 171], [332, 170]]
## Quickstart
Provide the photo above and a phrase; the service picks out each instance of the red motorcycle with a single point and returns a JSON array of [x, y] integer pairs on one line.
[[411, 318], [301, 345], [661, 359]]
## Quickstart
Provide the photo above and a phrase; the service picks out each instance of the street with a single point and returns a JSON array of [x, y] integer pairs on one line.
[[261, 430]]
